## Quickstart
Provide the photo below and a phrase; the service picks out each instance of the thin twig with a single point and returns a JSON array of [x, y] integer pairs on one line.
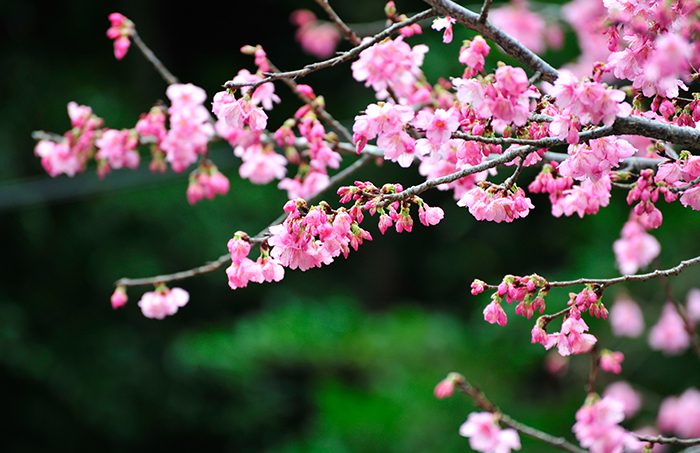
[[349, 32], [352, 53], [484, 403], [685, 187], [315, 106], [484, 12], [150, 56], [508, 183], [604, 283], [668, 440], [258, 238]]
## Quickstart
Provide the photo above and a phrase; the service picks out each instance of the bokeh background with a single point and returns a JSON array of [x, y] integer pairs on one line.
[[338, 359]]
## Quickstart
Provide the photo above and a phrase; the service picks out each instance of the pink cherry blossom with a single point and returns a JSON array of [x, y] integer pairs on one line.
[[319, 38], [58, 158], [473, 54], [390, 64], [630, 398], [597, 426], [681, 415], [116, 148], [626, 318], [635, 249], [430, 215], [669, 334], [444, 388], [120, 31], [486, 436], [571, 339], [611, 361], [261, 165], [692, 305], [163, 302], [119, 297], [494, 314], [444, 23]]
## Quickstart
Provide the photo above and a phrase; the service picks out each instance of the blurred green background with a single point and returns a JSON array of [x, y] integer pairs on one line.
[[339, 359]]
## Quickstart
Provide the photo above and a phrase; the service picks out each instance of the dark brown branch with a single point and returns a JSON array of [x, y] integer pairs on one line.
[[483, 402], [352, 53], [150, 56]]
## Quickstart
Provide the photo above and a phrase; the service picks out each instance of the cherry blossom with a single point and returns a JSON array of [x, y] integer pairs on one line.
[[669, 334], [630, 398], [597, 426], [163, 302], [486, 436], [636, 248], [120, 31], [681, 415], [626, 318]]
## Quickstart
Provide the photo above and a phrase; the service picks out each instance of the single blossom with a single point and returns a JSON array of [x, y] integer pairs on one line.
[[486, 436], [669, 334], [626, 318], [163, 302]]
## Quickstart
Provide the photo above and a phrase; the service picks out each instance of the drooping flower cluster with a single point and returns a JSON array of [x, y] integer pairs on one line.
[[611, 361], [506, 99], [636, 248], [571, 339], [588, 301], [120, 31], [243, 270], [317, 37], [597, 425], [670, 333], [626, 318], [677, 174], [116, 149], [529, 291], [485, 435], [70, 156], [595, 159], [489, 202], [390, 64], [151, 127], [190, 129], [681, 415], [163, 302], [311, 237], [592, 102], [206, 182], [473, 54]]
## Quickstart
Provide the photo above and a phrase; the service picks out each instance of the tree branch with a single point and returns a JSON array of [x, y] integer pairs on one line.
[[349, 32], [483, 402], [150, 56], [510, 45], [667, 440], [352, 53]]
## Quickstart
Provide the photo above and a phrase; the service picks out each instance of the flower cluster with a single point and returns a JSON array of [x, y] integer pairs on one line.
[[70, 155], [311, 237], [206, 182], [636, 248], [163, 302], [390, 64], [518, 289], [489, 202], [120, 31], [506, 99], [317, 37], [190, 129], [681, 415], [597, 425], [571, 339], [473, 54], [243, 270], [116, 149]]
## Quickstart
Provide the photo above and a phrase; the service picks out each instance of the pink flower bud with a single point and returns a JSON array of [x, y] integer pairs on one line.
[[119, 297]]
